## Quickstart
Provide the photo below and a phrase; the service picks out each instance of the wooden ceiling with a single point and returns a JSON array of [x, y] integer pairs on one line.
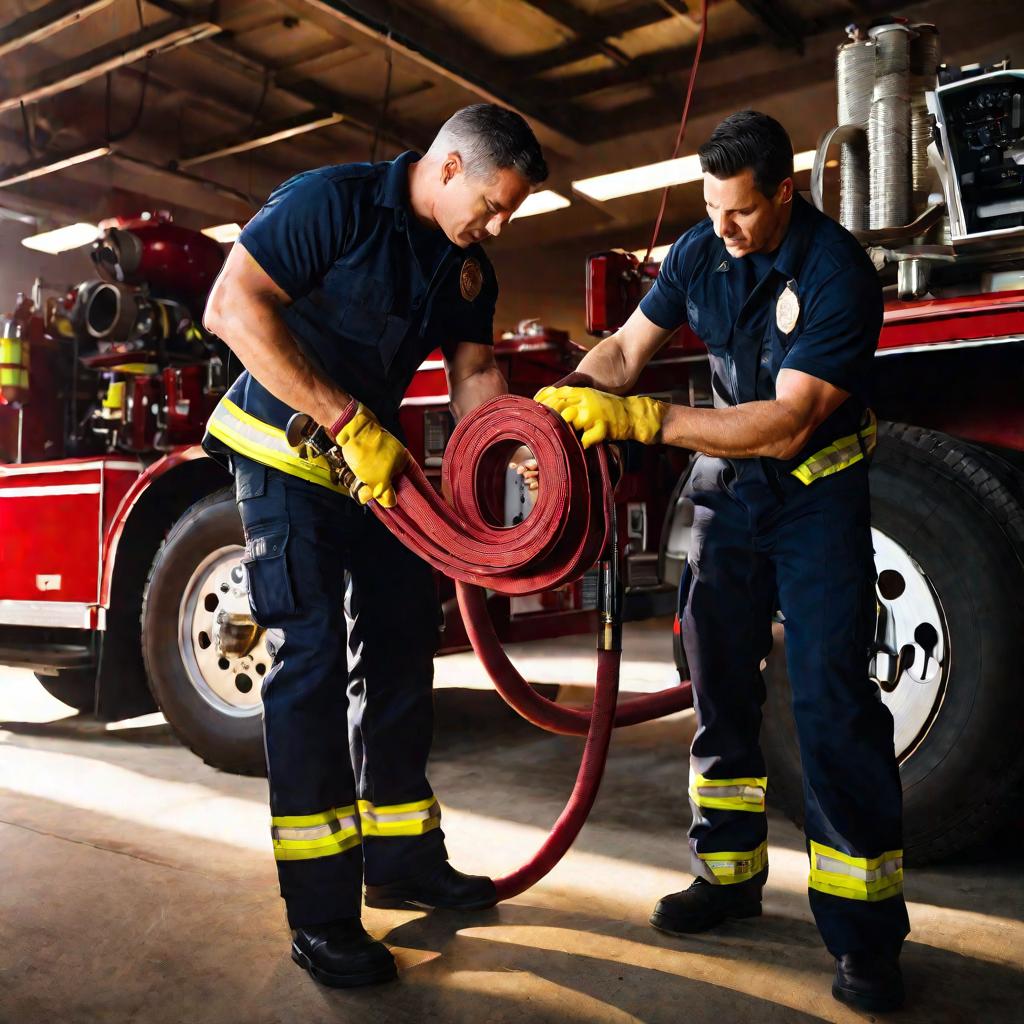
[[197, 101]]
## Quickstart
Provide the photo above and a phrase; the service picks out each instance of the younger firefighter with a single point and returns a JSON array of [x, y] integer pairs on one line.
[[790, 309]]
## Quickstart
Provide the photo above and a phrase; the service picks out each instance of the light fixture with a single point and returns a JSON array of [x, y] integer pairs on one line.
[[680, 171], [223, 232], [62, 239], [49, 165], [658, 253], [541, 202], [267, 135]]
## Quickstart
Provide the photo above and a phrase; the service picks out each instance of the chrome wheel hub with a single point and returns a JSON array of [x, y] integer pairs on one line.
[[226, 654], [910, 660]]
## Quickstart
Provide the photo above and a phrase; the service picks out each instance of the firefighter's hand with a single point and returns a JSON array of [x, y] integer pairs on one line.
[[375, 456], [605, 417], [525, 465]]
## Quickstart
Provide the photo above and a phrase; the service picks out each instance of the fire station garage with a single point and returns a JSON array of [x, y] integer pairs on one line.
[[511, 511]]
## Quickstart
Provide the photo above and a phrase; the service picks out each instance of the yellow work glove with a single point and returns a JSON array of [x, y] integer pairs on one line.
[[605, 417], [375, 456]]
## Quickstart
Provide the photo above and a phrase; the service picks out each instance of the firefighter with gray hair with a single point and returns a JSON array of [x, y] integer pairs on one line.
[[336, 291]]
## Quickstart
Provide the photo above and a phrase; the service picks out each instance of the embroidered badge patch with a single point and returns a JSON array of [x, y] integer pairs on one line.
[[787, 310], [471, 279]]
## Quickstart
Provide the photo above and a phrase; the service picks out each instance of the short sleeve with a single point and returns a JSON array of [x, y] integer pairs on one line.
[[462, 320], [665, 304], [838, 340], [299, 234]]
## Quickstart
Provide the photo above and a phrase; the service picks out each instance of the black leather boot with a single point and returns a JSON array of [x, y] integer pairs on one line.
[[441, 887], [703, 905], [342, 954], [869, 981]]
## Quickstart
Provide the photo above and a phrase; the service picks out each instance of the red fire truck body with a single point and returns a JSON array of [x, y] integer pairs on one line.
[[120, 545]]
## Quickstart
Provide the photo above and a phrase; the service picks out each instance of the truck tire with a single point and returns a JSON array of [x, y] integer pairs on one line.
[[212, 702], [948, 521]]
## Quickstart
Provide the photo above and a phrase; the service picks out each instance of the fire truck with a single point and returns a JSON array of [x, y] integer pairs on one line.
[[122, 587]]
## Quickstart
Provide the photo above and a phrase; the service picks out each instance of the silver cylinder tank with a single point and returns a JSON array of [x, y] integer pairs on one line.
[[889, 129]]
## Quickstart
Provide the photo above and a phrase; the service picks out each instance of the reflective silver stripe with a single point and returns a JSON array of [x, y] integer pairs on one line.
[[752, 794], [263, 443], [315, 831], [884, 870], [408, 819], [379, 817]]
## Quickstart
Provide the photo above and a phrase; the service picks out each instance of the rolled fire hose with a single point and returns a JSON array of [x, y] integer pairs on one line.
[[571, 524]]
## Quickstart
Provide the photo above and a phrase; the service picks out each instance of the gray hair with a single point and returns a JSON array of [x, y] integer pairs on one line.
[[489, 139]]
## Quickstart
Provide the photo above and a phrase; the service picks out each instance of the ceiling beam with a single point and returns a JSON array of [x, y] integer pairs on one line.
[[653, 65], [441, 50], [265, 134], [782, 25], [159, 38], [45, 21], [358, 114], [637, 15], [585, 27]]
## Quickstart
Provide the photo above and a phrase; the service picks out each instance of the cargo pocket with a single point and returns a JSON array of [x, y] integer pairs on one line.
[[270, 588]]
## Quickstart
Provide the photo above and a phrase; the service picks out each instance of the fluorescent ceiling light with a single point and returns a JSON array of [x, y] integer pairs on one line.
[[804, 161], [37, 168], [658, 253], [61, 239], [270, 134], [541, 202], [223, 232], [680, 171]]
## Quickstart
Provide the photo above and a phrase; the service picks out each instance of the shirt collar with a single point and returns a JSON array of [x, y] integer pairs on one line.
[[793, 249], [393, 190]]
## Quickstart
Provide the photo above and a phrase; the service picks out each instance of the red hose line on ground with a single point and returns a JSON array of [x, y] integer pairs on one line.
[[561, 538], [588, 780]]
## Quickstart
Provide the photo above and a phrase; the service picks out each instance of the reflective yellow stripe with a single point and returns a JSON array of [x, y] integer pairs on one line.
[[731, 867], [13, 378], [411, 819], [307, 836], [855, 878], [728, 794], [839, 455], [115, 395], [259, 441], [10, 350], [143, 368]]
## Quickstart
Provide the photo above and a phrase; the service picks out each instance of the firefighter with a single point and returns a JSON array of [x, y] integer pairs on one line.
[[790, 309], [336, 291]]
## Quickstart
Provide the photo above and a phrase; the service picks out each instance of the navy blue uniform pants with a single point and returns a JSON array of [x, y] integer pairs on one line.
[[347, 705], [808, 548]]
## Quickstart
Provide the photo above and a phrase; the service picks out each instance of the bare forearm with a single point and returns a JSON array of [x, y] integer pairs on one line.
[[262, 341], [475, 389], [744, 431], [606, 366]]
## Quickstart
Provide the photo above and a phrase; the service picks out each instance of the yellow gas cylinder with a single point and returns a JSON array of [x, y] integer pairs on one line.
[[14, 354]]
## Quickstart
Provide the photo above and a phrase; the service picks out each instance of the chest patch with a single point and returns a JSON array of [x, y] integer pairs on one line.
[[787, 310], [471, 279]]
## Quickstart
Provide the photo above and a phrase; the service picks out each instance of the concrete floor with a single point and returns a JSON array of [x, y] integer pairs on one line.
[[138, 885]]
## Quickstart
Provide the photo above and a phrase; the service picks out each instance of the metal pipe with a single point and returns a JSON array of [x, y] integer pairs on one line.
[[889, 129]]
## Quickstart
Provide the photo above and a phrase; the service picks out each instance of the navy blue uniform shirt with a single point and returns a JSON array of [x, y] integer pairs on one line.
[[732, 305], [373, 290]]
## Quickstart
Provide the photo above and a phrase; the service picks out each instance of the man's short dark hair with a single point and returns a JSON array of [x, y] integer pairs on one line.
[[751, 139], [489, 139]]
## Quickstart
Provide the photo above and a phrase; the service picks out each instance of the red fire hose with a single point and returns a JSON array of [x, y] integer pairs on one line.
[[570, 526]]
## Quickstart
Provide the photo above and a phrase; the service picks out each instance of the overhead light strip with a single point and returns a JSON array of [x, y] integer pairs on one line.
[[541, 202], [49, 165], [285, 131], [681, 171], [61, 239]]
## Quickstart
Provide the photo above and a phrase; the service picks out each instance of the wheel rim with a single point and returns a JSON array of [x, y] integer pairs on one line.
[[912, 644], [231, 685]]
